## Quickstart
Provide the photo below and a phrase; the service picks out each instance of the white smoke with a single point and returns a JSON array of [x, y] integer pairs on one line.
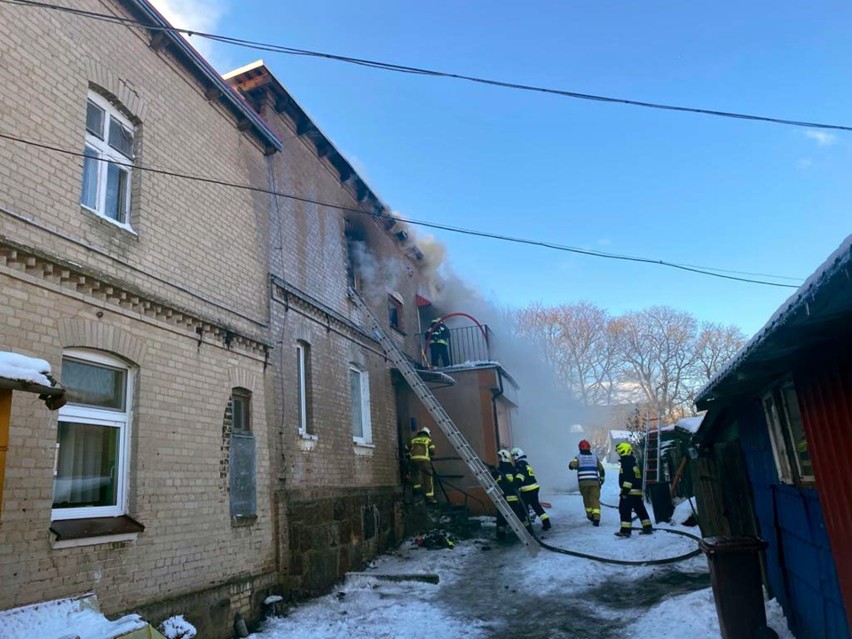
[[542, 422]]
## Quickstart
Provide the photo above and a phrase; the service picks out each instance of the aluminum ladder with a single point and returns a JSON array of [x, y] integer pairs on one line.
[[443, 420], [653, 452]]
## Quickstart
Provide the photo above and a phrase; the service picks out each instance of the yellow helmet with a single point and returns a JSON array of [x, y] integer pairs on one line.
[[624, 449]]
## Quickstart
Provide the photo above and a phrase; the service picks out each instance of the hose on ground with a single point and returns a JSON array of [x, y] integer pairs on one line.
[[625, 562]]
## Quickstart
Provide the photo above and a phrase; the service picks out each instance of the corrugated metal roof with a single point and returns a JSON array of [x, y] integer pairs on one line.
[[824, 297]]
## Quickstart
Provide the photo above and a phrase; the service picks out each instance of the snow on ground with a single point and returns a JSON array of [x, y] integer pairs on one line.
[[64, 618], [481, 581]]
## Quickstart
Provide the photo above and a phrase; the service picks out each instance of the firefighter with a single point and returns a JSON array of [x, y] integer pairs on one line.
[[528, 487], [504, 475], [420, 452], [630, 480], [439, 343], [590, 477]]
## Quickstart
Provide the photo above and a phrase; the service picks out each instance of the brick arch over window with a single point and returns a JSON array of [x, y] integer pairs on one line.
[[102, 80], [242, 378], [95, 334]]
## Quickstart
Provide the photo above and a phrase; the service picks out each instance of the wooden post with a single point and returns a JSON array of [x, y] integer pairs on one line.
[[5, 417]]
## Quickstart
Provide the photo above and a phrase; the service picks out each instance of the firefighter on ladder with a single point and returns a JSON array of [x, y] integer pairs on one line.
[[630, 481], [420, 452], [504, 475], [590, 477], [528, 487]]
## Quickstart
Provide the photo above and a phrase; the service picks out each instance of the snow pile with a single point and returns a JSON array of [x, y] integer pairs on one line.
[[64, 618], [694, 616], [690, 423], [24, 369], [683, 511], [177, 628]]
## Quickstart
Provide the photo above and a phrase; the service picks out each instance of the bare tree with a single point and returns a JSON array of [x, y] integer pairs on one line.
[[577, 340], [715, 346], [657, 349], [660, 351]]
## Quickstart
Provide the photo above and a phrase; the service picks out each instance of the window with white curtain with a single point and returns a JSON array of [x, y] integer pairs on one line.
[[359, 388], [108, 155], [92, 440]]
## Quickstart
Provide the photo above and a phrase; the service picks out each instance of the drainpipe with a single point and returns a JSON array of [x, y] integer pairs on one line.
[[495, 393], [5, 418]]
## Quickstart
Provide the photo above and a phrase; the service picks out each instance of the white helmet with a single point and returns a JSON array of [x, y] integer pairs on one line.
[[426, 430], [504, 455], [517, 453]]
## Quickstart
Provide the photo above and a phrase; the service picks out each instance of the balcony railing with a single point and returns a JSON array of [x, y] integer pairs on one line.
[[467, 344]]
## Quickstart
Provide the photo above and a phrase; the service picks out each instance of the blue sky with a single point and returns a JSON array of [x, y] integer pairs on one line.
[[731, 194]]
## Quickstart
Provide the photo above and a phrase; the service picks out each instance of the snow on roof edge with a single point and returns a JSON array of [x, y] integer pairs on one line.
[[835, 261]]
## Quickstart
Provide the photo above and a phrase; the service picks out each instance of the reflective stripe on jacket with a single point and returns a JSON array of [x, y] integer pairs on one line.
[[421, 448], [507, 482], [440, 335], [630, 477], [525, 476], [588, 467]]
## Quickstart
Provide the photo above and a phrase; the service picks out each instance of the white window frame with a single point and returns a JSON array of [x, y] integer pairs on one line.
[[302, 351], [366, 437], [104, 151], [102, 417]]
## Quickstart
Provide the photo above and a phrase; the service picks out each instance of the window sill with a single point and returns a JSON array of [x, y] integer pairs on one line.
[[307, 442], [71, 533], [243, 521], [398, 330], [363, 449], [108, 220]]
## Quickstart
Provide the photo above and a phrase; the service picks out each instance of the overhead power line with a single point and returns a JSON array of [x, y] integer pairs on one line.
[[702, 270], [399, 68]]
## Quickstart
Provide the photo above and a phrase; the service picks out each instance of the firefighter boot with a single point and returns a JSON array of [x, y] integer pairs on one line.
[[646, 530], [624, 532], [545, 524]]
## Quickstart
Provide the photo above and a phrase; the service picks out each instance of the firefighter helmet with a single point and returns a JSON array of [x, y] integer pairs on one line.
[[517, 453], [585, 445], [624, 449], [426, 430], [504, 455]]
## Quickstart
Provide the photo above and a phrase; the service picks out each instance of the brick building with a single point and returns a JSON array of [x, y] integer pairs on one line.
[[338, 455], [232, 430]]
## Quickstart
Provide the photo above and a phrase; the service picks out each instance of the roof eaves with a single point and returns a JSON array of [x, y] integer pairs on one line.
[[836, 264], [228, 93]]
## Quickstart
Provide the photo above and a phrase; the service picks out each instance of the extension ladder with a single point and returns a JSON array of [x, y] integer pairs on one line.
[[653, 452], [443, 420]]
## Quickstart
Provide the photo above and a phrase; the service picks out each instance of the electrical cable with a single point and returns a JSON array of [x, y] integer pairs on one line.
[[387, 216], [399, 68]]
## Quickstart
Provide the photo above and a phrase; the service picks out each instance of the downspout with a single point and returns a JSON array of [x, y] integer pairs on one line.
[[5, 418], [495, 393]]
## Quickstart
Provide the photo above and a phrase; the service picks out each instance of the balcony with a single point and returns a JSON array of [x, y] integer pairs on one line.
[[468, 344]]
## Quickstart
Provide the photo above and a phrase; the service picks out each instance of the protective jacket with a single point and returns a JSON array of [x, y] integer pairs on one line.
[[630, 476], [421, 448], [440, 334], [509, 484], [589, 468], [524, 476]]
